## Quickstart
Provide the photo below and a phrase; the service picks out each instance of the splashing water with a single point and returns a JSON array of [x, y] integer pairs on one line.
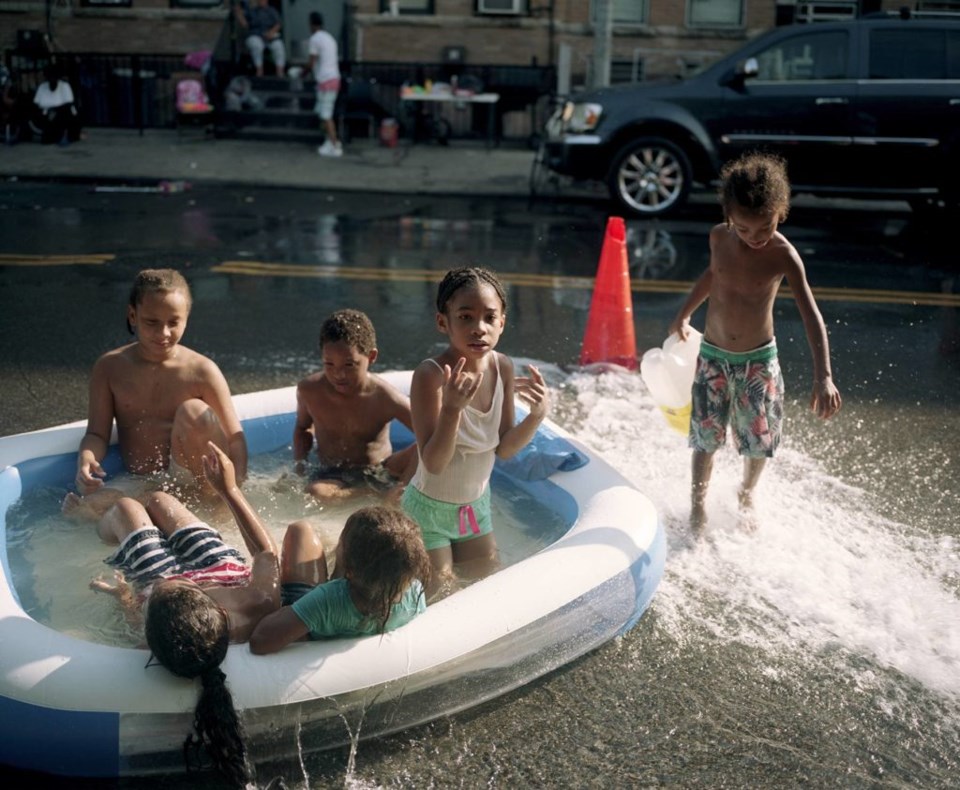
[[824, 574]]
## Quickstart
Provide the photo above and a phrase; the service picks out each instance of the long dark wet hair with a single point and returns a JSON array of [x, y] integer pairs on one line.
[[383, 552], [189, 635], [154, 281], [455, 279]]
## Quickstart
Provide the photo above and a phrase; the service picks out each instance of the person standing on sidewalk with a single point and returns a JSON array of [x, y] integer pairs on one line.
[[325, 65]]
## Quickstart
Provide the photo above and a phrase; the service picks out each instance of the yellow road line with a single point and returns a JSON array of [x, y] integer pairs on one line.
[[54, 260], [863, 295]]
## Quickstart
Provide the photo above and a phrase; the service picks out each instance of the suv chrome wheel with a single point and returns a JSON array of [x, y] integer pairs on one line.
[[650, 177]]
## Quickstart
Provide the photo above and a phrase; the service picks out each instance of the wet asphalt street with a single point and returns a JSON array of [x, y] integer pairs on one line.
[[665, 706]]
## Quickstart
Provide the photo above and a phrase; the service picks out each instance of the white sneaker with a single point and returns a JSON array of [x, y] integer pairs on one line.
[[329, 149]]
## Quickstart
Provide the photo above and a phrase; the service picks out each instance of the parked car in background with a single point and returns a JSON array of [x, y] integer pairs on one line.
[[867, 108]]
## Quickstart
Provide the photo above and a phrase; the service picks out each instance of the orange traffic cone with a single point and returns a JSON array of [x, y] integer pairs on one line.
[[610, 335]]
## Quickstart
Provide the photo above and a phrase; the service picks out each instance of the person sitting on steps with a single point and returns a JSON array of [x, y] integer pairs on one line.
[[262, 24]]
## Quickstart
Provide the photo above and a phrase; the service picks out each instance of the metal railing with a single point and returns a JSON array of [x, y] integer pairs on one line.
[[130, 91], [138, 91]]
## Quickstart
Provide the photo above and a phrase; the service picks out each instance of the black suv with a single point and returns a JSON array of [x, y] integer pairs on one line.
[[868, 107]]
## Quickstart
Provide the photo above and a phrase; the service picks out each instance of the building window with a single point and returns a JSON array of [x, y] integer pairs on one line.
[[409, 6], [715, 13], [625, 12]]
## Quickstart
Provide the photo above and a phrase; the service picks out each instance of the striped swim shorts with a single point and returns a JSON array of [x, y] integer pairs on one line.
[[195, 552]]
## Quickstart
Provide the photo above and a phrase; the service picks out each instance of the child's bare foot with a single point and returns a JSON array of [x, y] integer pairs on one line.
[[748, 516], [90, 507], [698, 519], [330, 490]]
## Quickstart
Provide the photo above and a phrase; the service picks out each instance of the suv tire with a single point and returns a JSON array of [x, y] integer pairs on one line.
[[650, 177]]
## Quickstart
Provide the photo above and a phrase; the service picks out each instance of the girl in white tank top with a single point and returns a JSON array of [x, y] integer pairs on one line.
[[462, 403]]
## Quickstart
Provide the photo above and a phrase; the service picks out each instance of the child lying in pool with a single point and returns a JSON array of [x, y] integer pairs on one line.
[[198, 594]]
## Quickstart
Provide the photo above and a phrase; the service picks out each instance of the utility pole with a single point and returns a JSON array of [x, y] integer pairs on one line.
[[602, 36]]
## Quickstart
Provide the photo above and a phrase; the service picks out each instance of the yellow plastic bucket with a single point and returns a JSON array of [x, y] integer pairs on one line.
[[678, 419]]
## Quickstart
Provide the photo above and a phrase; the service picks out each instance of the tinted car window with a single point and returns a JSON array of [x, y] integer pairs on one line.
[[953, 54], [908, 55], [817, 56]]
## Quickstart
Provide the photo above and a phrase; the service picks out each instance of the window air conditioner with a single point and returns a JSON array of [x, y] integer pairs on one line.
[[501, 6]]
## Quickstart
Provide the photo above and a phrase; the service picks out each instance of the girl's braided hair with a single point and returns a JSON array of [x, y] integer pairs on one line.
[[455, 279], [189, 634]]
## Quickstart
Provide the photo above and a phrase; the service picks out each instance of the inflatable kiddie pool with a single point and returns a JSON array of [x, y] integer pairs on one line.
[[77, 708]]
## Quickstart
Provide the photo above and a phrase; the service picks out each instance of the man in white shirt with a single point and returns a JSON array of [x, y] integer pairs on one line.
[[325, 65], [55, 116]]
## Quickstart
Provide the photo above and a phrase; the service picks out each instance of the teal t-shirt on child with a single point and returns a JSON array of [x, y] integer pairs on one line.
[[328, 611]]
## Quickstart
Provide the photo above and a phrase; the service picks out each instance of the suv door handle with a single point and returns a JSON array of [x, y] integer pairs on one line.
[[831, 100]]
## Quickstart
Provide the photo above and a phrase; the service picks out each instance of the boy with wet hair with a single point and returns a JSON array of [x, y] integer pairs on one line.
[[167, 400], [738, 381], [347, 410]]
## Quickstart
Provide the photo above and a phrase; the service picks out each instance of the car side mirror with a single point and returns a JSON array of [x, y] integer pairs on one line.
[[744, 69]]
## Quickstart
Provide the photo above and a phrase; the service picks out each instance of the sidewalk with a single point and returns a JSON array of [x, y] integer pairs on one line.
[[124, 156]]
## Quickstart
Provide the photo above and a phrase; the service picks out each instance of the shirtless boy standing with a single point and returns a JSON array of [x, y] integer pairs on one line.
[[738, 379], [348, 411], [167, 400]]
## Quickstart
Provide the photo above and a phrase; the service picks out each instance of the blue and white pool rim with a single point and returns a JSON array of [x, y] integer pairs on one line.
[[76, 708]]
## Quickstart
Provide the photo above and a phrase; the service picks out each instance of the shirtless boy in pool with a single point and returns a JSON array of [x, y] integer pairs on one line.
[[168, 401], [348, 411], [738, 379]]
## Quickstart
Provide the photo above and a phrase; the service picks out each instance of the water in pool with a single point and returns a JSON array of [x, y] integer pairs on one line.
[[53, 559]]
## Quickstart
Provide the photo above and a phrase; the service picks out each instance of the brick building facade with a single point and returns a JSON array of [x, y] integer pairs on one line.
[[651, 38]]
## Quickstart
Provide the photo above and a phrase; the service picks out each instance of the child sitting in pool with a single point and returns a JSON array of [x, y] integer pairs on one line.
[[197, 594], [348, 410], [463, 415], [168, 401], [381, 562]]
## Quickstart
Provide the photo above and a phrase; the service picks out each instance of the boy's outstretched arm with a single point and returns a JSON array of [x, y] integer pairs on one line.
[[825, 398]]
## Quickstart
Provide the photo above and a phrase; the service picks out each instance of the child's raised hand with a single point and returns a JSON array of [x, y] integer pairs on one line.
[[533, 391], [459, 387], [218, 469], [825, 400]]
